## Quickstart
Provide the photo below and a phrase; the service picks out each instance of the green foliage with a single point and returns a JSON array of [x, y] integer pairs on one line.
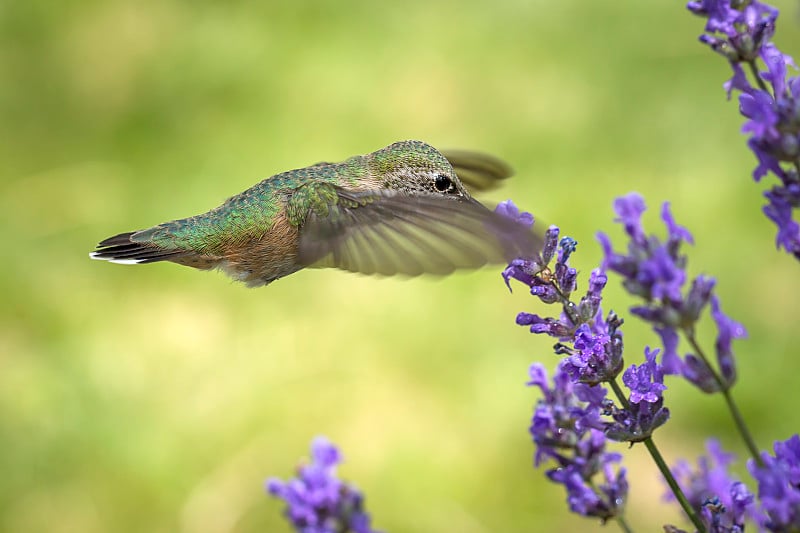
[[158, 398]]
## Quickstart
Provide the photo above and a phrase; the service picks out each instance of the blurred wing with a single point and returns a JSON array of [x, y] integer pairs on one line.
[[477, 171], [388, 232]]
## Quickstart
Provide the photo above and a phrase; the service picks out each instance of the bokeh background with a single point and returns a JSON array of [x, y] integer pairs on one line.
[[158, 398]]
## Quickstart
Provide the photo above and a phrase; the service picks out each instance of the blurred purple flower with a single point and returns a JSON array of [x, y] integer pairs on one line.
[[655, 271], [779, 485], [317, 501], [741, 32], [713, 492], [651, 269]]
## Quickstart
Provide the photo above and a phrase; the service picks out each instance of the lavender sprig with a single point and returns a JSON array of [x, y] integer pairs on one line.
[[741, 31], [573, 420], [567, 430], [593, 359], [655, 271], [779, 485], [316, 500], [723, 501]]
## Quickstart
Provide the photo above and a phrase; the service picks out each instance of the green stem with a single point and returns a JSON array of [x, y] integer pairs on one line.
[[662, 465], [738, 419], [759, 81], [623, 524]]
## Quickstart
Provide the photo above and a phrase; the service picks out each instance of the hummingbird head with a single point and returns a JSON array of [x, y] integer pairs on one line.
[[416, 167]]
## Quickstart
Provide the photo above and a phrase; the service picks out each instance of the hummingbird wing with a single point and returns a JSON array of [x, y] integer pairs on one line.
[[389, 232], [478, 171]]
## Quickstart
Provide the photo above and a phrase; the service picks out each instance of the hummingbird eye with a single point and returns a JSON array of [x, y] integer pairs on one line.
[[442, 183]]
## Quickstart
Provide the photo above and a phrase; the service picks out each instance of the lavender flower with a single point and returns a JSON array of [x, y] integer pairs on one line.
[[741, 30], [592, 346], [645, 411], [646, 381], [718, 497], [596, 356], [566, 429], [652, 269], [655, 270], [779, 485], [556, 286], [317, 501]]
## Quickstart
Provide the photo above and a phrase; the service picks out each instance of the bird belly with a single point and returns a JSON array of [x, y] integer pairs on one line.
[[261, 259]]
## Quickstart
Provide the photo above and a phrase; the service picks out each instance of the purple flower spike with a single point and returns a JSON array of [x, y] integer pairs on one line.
[[742, 31], [555, 285], [779, 485], [566, 430], [656, 271], [317, 501], [713, 492], [652, 269]]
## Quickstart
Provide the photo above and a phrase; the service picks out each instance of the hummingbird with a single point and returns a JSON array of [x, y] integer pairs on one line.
[[404, 209]]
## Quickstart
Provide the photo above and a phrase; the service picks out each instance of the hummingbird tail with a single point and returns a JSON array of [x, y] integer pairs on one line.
[[121, 249]]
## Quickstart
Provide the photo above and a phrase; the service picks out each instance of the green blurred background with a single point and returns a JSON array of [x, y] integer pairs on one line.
[[158, 398]]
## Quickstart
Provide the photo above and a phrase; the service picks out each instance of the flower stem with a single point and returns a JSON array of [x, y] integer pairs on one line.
[[738, 419], [662, 466], [623, 524], [759, 81]]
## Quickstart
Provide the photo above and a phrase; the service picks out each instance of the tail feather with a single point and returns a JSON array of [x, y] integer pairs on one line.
[[121, 249]]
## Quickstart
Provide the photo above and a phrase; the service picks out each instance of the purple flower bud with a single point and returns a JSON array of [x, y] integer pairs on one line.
[[523, 270], [783, 200], [665, 315], [509, 210], [727, 331], [629, 211], [676, 233], [584, 500], [638, 422], [739, 81], [663, 275], [546, 293], [646, 382], [593, 360], [699, 295], [697, 372], [566, 277], [538, 376], [550, 244], [549, 326]]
